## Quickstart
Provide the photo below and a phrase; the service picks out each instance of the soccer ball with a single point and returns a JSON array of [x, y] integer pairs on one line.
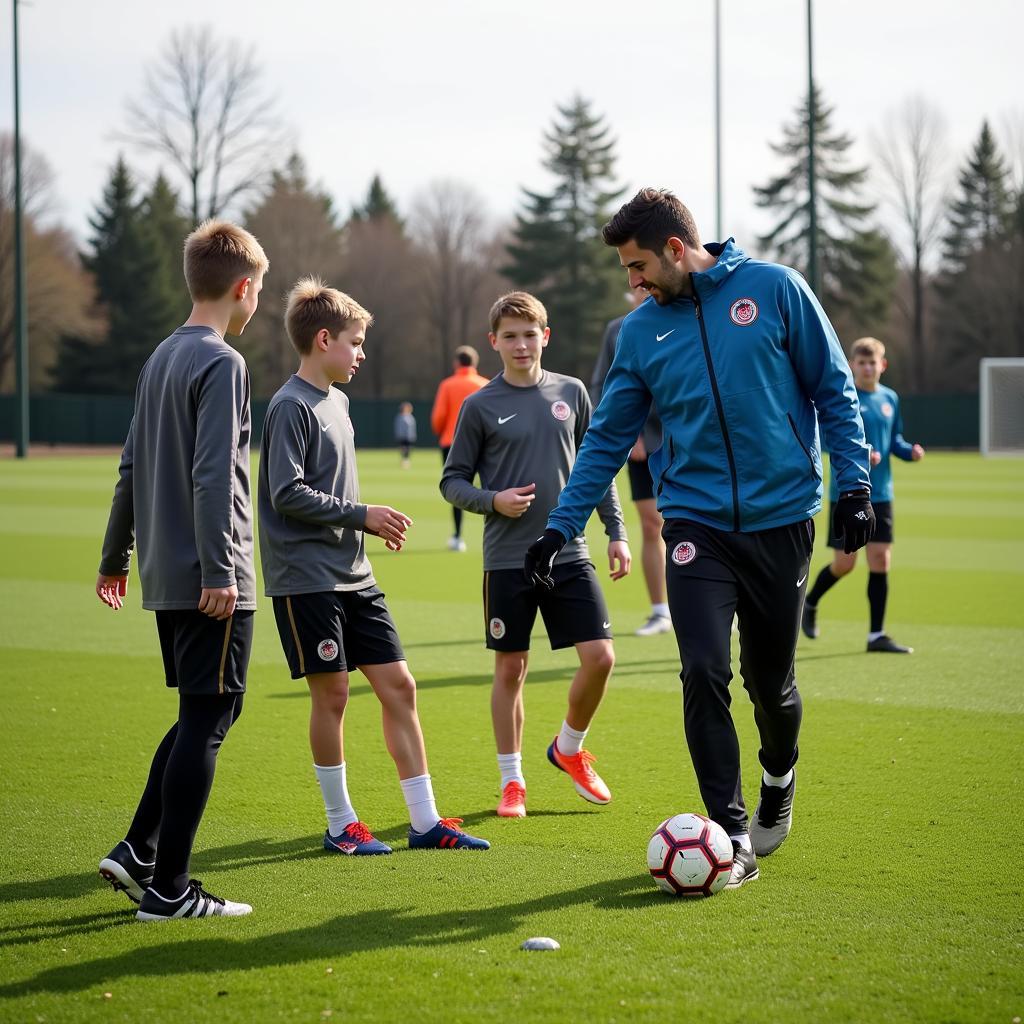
[[690, 855]]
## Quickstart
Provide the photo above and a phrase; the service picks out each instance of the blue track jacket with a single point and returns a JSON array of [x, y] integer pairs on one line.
[[742, 374]]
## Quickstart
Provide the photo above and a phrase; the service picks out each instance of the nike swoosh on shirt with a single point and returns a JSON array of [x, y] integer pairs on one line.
[[324, 426], [605, 625], [662, 337], [799, 582], [505, 419]]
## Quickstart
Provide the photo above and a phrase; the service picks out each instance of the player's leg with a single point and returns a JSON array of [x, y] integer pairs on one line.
[[652, 555], [575, 614], [455, 542], [842, 564], [879, 557], [772, 580]]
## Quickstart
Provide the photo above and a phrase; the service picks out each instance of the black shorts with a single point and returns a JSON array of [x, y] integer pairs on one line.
[[203, 655], [573, 613], [883, 524], [641, 483], [336, 631]]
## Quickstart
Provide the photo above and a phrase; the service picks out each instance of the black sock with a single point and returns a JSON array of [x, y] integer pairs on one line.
[[203, 722], [824, 583], [878, 593], [457, 516], [146, 823]]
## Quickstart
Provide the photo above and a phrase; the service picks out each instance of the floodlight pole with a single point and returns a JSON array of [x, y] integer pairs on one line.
[[20, 304], [718, 120], [812, 229]]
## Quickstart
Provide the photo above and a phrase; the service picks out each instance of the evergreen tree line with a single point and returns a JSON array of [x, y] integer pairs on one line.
[[430, 273]]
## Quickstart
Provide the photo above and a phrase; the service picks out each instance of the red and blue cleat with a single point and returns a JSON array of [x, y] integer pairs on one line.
[[445, 836]]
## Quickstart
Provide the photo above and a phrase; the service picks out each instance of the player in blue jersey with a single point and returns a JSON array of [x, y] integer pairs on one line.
[[880, 410]]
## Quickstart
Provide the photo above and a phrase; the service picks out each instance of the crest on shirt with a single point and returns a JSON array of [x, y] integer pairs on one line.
[[497, 628], [684, 553], [886, 410], [327, 649], [743, 312], [560, 410]]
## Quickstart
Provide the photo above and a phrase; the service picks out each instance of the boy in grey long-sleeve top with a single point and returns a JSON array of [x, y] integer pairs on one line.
[[183, 493], [520, 433], [330, 614]]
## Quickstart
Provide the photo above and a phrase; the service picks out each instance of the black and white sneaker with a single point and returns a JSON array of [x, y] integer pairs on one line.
[[886, 645], [654, 625], [809, 621], [773, 818], [744, 867], [125, 872], [194, 902]]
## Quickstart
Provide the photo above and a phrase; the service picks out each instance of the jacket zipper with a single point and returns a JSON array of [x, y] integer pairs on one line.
[[803, 447], [720, 410]]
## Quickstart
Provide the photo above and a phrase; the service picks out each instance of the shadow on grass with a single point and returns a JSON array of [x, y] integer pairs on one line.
[[189, 951], [29, 933]]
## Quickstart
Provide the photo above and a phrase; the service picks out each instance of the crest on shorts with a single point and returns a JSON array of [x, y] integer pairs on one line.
[[327, 649], [497, 628], [743, 312], [684, 553], [560, 410], [886, 410]]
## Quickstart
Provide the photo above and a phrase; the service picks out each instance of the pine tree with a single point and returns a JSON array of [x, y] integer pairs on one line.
[[377, 205], [161, 211], [557, 252], [127, 264], [856, 262], [984, 208]]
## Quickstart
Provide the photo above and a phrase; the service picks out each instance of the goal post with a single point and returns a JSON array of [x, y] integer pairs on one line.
[[1002, 406]]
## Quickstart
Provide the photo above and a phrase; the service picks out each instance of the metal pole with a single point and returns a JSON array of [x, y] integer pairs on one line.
[[20, 304], [718, 120], [812, 263]]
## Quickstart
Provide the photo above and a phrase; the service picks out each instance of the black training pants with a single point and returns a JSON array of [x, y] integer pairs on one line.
[[761, 577]]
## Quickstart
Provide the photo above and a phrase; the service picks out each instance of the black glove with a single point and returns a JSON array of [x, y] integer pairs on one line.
[[540, 559], [854, 520]]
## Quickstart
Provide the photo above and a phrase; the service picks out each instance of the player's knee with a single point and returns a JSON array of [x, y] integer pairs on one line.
[[330, 697], [841, 565], [401, 690], [599, 659], [510, 673]]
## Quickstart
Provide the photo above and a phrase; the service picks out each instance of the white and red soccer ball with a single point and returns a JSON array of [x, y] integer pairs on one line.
[[690, 855]]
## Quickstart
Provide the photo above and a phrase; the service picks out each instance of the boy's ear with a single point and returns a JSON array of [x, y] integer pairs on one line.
[[493, 339], [242, 286], [544, 339], [885, 364], [322, 337]]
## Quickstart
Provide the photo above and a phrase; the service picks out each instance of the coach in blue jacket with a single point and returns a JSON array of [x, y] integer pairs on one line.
[[743, 366]]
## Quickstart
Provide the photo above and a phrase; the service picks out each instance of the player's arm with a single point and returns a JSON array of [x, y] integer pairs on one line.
[[439, 413], [899, 447], [604, 362], [825, 377], [463, 463], [119, 539], [286, 441], [609, 508]]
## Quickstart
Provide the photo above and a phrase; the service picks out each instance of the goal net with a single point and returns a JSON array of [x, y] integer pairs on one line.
[[1002, 406]]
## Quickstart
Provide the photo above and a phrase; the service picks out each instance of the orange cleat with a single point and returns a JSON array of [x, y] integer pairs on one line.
[[513, 801], [588, 783]]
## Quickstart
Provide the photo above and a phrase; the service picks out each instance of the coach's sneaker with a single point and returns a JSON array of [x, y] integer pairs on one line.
[[445, 836], [773, 818], [456, 544], [809, 621], [886, 645], [125, 872], [588, 783], [513, 801], [655, 624], [195, 901], [355, 840], [744, 867]]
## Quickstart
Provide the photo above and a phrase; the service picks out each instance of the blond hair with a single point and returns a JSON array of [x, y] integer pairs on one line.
[[466, 355], [867, 347], [520, 306], [217, 255], [313, 307]]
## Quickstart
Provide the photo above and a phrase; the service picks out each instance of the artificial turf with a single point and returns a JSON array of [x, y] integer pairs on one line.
[[897, 898]]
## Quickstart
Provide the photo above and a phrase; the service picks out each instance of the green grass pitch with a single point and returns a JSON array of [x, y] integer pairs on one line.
[[897, 898]]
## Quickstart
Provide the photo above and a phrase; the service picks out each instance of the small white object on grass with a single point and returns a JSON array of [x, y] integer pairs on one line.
[[541, 942]]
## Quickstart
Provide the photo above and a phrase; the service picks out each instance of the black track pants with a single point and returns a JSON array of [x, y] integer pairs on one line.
[[761, 577]]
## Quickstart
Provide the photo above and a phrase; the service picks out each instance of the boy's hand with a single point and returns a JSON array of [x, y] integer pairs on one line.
[[618, 552], [875, 457], [854, 520], [916, 453], [540, 559], [110, 590], [218, 602], [387, 523], [638, 453], [515, 501]]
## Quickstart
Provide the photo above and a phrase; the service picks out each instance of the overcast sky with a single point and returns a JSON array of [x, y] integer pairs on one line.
[[464, 88]]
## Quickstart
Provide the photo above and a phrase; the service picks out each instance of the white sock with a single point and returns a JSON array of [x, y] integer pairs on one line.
[[511, 768], [743, 840], [660, 609], [334, 787], [782, 781], [875, 636], [419, 798], [570, 740]]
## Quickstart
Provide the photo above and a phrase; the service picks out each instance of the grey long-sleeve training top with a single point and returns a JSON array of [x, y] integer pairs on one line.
[[183, 493], [514, 436], [311, 519]]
